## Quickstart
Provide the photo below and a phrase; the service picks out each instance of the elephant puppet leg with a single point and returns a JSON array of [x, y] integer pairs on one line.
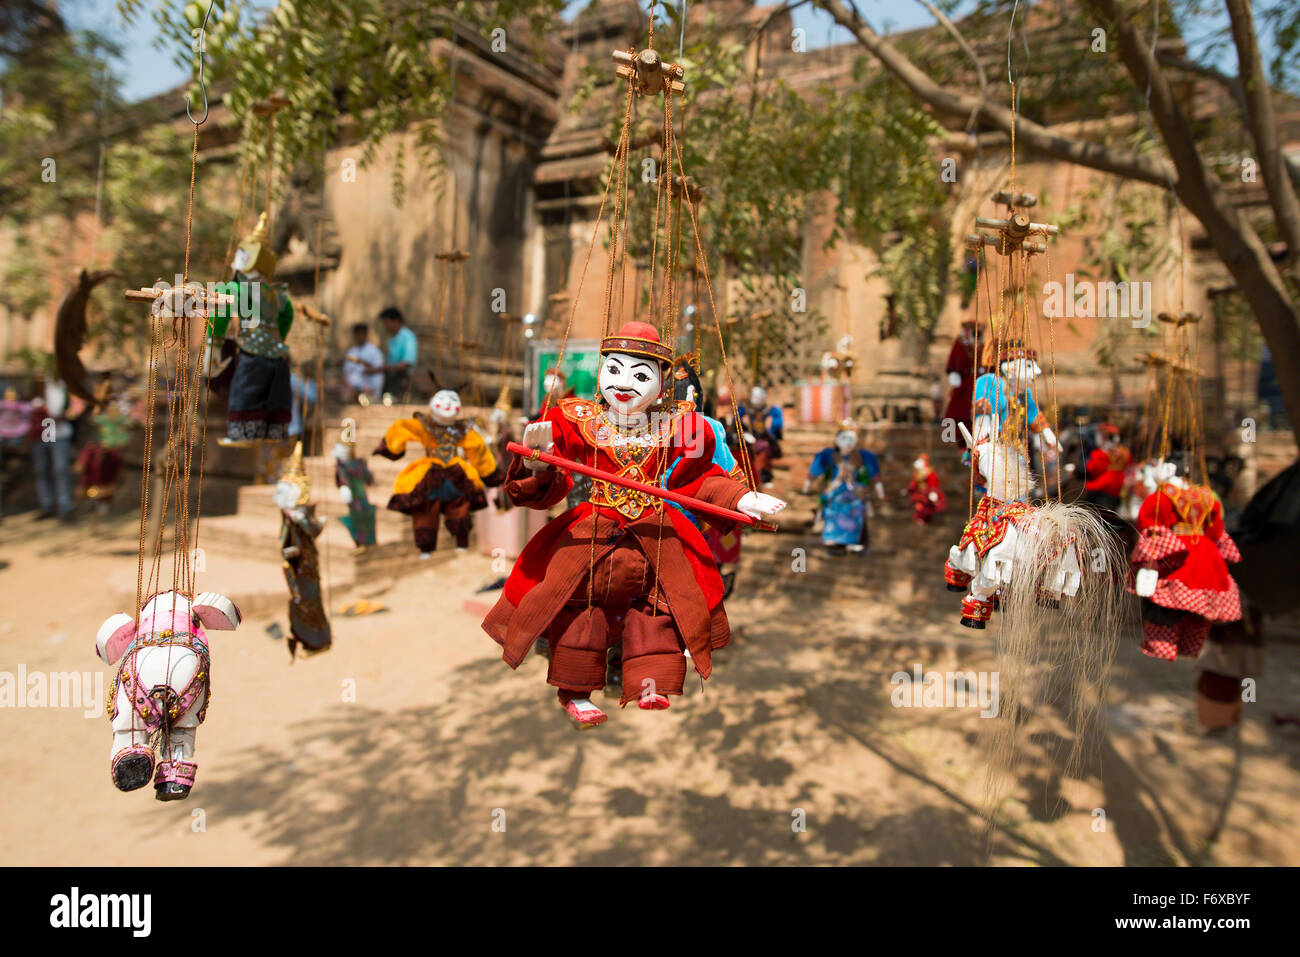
[[424, 528], [177, 770], [456, 514], [579, 639], [654, 665], [132, 760]]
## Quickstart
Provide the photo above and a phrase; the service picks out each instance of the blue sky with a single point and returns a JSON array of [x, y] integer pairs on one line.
[[146, 70]]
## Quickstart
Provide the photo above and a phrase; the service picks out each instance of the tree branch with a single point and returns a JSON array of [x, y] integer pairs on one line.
[[1262, 123], [1121, 162], [966, 48], [1230, 83]]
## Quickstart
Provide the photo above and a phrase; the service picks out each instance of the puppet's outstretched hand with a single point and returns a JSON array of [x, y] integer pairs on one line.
[[759, 504], [537, 435]]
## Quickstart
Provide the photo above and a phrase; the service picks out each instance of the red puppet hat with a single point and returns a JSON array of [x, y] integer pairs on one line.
[[637, 339]]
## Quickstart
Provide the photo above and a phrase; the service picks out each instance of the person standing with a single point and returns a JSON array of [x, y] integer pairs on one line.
[[402, 352], [51, 437], [363, 368]]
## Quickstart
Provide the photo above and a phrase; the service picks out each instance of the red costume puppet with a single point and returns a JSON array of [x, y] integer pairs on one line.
[[622, 565], [924, 491], [1106, 469], [1179, 568], [961, 374]]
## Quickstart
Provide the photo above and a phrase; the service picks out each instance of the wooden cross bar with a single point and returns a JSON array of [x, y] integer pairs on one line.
[[315, 315], [173, 301], [1004, 197], [452, 256], [649, 72], [270, 106], [1179, 321], [1016, 232], [683, 186]]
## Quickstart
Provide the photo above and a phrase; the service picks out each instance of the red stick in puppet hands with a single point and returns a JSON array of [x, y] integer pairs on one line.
[[694, 504]]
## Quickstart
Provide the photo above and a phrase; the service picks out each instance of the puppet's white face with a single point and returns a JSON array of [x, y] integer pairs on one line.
[[920, 465], [1021, 372], [341, 452], [553, 384], [758, 397], [242, 260], [445, 407], [629, 384], [285, 495], [846, 441]]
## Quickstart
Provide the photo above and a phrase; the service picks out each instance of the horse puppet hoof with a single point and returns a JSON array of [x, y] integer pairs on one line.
[[132, 769], [973, 623], [956, 588]]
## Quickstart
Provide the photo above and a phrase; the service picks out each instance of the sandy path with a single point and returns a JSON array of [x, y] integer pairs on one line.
[[443, 745]]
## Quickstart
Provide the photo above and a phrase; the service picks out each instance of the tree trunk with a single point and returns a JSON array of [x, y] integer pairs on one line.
[[1234, 240]]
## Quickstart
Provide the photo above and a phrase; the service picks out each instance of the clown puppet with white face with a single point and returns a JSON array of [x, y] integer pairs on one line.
[[623, 565], [447, 482]]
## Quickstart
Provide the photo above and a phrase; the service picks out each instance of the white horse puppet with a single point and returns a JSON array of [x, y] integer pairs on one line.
[[1007, 538], [160, 693]]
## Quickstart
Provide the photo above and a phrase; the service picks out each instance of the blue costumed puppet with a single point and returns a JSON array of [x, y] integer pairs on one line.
[[846, 474]]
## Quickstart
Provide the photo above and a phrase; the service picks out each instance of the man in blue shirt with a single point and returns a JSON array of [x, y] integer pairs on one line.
[[402, 352]]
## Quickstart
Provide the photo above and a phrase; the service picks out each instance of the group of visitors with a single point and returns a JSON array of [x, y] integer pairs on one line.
[[371, 376]]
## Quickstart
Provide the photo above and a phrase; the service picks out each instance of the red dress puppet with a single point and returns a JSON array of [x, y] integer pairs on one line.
[[622, 565], [1183, 542], [924, 491]]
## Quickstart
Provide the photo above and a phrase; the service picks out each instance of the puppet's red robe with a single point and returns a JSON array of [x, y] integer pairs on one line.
[[1106, 470], [1183, 538], [919, 491], [962, 361], [628, 551]]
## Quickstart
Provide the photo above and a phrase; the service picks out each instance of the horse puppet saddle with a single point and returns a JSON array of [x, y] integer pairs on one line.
[[988, 526]]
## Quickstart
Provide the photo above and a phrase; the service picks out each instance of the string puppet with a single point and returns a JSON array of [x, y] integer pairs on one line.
[[766, 429], [993, 544], [162, 687], [448, 480], [1106, 471], [1179, 567], [961, 373], [622, 565], [724, 542], [846, 474], [309, 626], [352, 476], [260, 405], [925, 491]]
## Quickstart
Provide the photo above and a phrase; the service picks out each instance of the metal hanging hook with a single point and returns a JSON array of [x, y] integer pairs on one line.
[[203, 48]]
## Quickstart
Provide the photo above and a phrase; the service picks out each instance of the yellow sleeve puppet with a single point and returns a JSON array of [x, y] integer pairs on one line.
[[448, 480]]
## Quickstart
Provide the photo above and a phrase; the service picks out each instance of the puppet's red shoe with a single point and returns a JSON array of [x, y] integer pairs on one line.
[[585, 713], [652, 702]]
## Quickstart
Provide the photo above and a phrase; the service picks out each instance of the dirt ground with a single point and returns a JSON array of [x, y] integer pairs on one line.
[[412, 743]]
